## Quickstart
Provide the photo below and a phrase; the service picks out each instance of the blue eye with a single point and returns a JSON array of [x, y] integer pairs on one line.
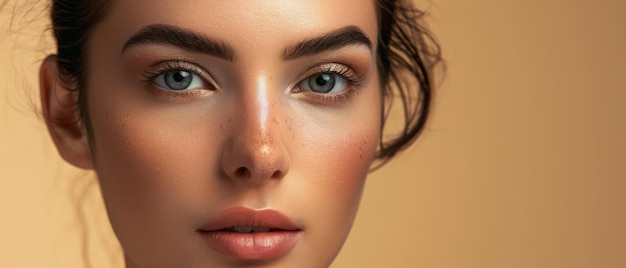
[[324, 83], [179, 80]]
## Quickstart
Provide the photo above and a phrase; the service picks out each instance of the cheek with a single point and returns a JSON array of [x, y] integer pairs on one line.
[[337, 182], [328, 174], [152, 164], [341, 163]]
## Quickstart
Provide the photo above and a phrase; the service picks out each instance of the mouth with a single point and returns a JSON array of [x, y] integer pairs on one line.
[[247, 234], [251, 229]]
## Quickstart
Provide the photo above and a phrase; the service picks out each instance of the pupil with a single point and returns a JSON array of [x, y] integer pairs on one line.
[[322, 79], [180, 76], [322, 83], [178, 80]]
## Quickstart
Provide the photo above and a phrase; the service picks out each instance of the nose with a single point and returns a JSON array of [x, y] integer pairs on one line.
[[254, 153]]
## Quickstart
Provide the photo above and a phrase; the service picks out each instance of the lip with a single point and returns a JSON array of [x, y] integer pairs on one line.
[[283, 234]]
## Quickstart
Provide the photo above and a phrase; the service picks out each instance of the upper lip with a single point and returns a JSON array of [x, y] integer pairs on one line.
[[242, 216]]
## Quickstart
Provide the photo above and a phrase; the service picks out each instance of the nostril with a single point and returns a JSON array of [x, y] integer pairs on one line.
[[277, 174], [243, 172]]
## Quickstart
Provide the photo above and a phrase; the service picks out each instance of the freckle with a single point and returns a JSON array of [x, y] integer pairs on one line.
[[361, 155], [230, 119]]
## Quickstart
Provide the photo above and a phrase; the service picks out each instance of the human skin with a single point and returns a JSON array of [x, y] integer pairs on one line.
[[250, 135]]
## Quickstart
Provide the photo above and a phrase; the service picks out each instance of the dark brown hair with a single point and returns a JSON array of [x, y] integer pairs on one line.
[[407, 56]]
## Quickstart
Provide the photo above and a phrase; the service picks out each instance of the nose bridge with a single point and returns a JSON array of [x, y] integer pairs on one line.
[[254, 114], [256, 152], [258, 102]]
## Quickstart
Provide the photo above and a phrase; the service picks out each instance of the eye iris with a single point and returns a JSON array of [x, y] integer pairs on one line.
[[178, 80], [322, 83]]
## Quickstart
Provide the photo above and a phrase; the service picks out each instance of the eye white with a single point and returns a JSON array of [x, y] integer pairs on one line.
[[313, 83], [179, 80]]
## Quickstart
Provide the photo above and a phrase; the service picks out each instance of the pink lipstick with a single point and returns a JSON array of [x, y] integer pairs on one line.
[[248, 234]]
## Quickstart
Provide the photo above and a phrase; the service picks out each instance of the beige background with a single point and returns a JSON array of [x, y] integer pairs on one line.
[[523, 164]]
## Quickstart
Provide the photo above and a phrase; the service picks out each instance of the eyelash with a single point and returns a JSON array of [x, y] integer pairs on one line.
[[353, 79], [344, 71], [163, 67]]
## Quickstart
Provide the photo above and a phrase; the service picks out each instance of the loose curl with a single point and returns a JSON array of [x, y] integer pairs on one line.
[[407, 57]]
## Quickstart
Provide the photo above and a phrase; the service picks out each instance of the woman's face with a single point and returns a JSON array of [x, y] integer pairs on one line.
[[233, 132]]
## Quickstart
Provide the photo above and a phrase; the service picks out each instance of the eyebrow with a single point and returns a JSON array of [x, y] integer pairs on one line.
[[188, 40], [196, 42], [343, 37]]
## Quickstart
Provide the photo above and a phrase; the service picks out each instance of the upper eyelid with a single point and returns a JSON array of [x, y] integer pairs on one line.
[[168, 65], [349, 74]]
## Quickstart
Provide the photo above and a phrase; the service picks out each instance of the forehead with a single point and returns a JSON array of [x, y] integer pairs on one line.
[[262, 24]]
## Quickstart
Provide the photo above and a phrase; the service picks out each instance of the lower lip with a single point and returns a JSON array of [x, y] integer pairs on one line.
[[252, 246]]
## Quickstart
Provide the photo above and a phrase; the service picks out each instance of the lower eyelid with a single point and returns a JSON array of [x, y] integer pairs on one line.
[[177, 96], [332, 99]]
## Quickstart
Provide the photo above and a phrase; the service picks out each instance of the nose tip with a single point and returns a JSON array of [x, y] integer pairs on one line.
[[254, 158]]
